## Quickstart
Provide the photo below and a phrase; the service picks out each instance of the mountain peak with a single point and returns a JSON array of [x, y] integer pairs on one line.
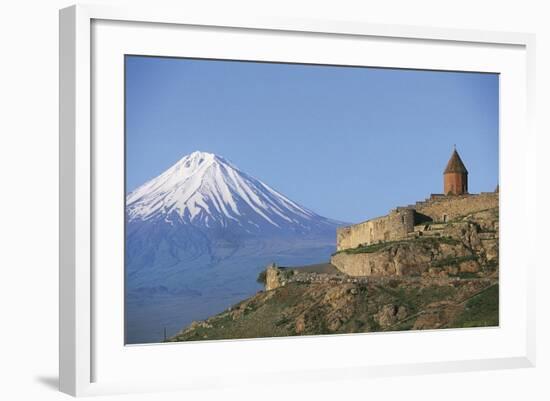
[[199, 155], [197, 158], [204, 189]]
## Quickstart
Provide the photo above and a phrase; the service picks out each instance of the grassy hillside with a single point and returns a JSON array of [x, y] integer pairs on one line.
[[328, 308]]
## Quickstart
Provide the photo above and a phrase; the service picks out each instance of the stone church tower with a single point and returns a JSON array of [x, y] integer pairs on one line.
[[455, 176]]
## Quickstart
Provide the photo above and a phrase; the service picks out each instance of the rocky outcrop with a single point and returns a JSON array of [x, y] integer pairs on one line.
[[388, 315], [468, 245], [400, 259]]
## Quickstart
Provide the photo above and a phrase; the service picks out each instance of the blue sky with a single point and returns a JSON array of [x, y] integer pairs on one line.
[[348, 143]]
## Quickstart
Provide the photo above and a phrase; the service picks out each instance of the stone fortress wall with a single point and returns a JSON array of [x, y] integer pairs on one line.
[[440, 209], [402, 220], [395, 225]]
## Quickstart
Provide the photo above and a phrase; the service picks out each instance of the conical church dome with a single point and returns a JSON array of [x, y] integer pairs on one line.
[[455, 165]]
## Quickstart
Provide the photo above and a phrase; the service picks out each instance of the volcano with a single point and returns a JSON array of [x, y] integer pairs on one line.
[[198, 234]]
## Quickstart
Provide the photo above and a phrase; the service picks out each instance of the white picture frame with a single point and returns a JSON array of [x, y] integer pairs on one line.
[[85, 325]]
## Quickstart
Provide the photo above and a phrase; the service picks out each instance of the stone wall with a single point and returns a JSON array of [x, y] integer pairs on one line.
[[395, 225], [401, 221], [446, 208], [273, 277]]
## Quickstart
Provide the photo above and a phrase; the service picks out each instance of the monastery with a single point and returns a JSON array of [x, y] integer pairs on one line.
[[419, 219]]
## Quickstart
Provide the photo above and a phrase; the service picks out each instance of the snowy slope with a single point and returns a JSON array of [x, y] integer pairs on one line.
[[207, 191]]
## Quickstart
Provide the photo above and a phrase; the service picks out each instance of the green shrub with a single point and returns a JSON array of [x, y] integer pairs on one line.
[[481, 310], [373, 324], [261, 277], [453, 261]]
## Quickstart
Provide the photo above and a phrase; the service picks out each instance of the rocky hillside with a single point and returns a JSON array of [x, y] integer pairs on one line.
[[323, 304], [446, 277]]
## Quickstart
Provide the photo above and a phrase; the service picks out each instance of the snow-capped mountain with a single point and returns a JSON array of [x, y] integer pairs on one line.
[[206, 191], [198, 235]]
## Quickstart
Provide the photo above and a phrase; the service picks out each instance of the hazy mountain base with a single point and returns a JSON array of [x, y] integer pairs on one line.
[[355, 306], [173, 296]]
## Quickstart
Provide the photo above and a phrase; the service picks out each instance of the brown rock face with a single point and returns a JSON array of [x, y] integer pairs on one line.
[[470, 266], [300, 324], [338, 301], [438, 315], [401, 259], [491, 250], [390, 314]]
